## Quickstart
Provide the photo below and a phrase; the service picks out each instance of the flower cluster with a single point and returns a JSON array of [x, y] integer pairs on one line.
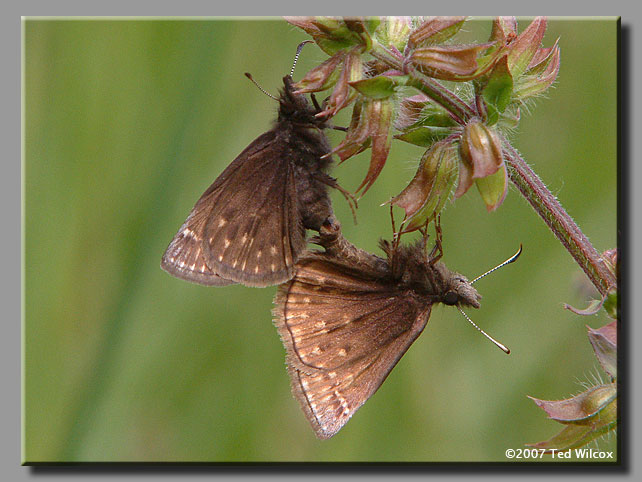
[[374, 61]]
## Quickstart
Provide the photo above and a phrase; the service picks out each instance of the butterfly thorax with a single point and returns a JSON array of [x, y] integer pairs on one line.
[[413, 270], [302, 141]]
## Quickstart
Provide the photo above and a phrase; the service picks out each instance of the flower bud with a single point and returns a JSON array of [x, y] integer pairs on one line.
[[604, 342], [394, 31], [482, 159], [504, 30], [453, 62], [541, 73], [331, 34], [522, 50], [582, 407], [425, 196], [323, 76], [434, 31], [370, 126]]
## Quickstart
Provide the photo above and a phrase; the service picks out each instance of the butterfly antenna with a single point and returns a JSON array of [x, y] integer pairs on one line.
[[498, 344], [508, 261], [249, 76], [298, 52]]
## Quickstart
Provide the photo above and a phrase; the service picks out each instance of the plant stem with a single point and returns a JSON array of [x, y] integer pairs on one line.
[[528, 183], [558, 220], [460, 111]]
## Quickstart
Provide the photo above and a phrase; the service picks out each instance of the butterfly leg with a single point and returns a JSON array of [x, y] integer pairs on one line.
[[332, 182], [437, 252]]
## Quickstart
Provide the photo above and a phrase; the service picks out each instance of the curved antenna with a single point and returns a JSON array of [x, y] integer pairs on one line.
[[498, 344], [249, 76], [509, 260], [298, 52]]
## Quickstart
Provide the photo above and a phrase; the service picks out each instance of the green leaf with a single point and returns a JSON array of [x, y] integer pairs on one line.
[[424, 136], [498, 90], [610, 304], [379, 87], [493, 188]]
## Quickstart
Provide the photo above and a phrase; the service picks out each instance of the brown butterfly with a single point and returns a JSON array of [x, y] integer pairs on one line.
[[347, 317], [249, 226]]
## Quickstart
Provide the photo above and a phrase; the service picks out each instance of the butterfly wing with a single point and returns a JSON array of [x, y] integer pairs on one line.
[[344, 331], [184, 256], [246, 227]]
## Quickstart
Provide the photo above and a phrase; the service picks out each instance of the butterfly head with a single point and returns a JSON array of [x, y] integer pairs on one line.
[[458, 290], [295, 107]]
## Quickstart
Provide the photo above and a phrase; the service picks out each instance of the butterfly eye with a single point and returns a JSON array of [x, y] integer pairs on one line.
[[451, 298]]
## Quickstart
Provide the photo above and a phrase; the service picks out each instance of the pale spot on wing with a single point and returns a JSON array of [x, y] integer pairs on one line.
[[220, 258], [193, 266], [343, 402], [342, 352], [303, 316], [258, 255], [221, 222], [244, 238], [273, 250], [227, 243], [181, 264], [319, 324], [332, 374], [306, 300], [243, 265], [316, 351], [273, 267], [256, 270], [236, 261]]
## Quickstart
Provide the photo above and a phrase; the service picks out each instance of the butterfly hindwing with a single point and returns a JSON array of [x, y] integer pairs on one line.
[[344, 330]]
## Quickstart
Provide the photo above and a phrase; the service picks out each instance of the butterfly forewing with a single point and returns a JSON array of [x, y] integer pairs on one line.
[[255, 234], [343, 331], [184, 256], [247, 221]]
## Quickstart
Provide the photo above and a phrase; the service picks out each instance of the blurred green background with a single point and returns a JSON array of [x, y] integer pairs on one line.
[[128, 122]]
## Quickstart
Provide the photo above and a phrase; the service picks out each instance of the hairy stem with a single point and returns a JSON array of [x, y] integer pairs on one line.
[[558, 220]]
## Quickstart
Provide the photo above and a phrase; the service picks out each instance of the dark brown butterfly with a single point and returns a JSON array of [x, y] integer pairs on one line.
[[249, 226], [347, 317]]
